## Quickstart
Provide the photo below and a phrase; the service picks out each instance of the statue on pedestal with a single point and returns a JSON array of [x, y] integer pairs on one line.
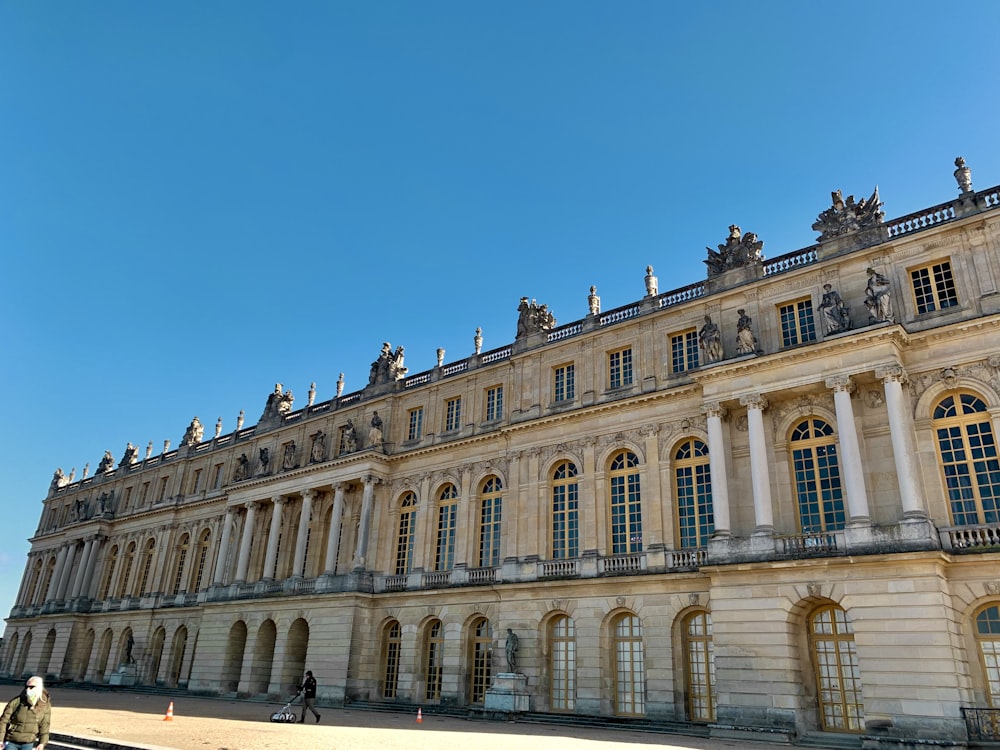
[[746, 342], [194, 433], [836, 317], [511, 650], [532, 318], [710, 341], [878, 299]]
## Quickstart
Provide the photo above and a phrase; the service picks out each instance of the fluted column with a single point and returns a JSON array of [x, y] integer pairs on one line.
[[88, 576], [67, 572], [903, 450], [717, 468], [53, 587], [243, 563], [220, 563], [333, 541], [367, 501], [271, 556], [300, 539], [851, 464], [759, 462], [81, 570]]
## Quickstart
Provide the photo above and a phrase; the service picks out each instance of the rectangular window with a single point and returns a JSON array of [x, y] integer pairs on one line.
[[444, 555], [127, 502], [144, 493], [494, 403], [416, 429], [564, 388], [196, 481], [797, 325], [934, 287], [163, 489], [684, 351], [217, 481], [620, 368], [453, 414]]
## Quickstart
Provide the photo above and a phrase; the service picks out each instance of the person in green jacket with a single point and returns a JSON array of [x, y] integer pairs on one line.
[[25, 720]]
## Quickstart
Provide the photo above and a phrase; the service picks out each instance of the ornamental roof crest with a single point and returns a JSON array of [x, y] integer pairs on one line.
[[847, 216], [737, 251]]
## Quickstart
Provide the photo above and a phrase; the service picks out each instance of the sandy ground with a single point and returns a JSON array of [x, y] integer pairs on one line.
[[213, 724]]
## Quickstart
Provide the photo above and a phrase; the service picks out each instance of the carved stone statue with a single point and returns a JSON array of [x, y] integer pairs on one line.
[[737, 251], [131, 455], [388, 368], [878, 298], [194, 433], [264, 456], [652, 284], [847, 216], [288, 457], [477, 340], [836, 317], [242, 470], [710, 341], [375, 436], [340, 385], [532, 318], [963, 176], [746, 342], [350, 437], [318, 451], [593, 301], [58, 480], [129, 646], [510, 648], [80, 509], [102, 504], [106, 463]]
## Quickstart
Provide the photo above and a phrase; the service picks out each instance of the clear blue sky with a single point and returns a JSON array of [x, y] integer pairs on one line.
[[198, 200]]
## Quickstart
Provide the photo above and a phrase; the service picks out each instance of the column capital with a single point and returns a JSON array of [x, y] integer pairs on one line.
[[713, 409], [250, 504], [279, 499], [754, 401], [837, 383], [340, 487], [891, 373], [308, 494]]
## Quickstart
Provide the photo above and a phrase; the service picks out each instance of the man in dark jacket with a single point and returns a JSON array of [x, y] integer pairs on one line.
[[308, 690], [25, 720]]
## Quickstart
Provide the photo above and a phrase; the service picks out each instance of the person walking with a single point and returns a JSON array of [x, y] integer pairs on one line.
[[25, 720], [308, 690]]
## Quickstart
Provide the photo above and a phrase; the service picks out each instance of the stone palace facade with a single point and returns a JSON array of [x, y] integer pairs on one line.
[[766, 504]]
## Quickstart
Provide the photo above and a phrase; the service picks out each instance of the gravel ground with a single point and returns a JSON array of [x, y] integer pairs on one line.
[[214, 724]]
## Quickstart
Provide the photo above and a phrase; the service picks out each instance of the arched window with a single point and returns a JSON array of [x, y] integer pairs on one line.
[[565, 512], [968, 452], [109, 576], [405, 534], [817, 477], [838, 679], [50, 570], [181, 552], [693, 490], [491, 505], [127, 559], [630, 667], [434, 651], [562, 663], [145, 566], [204, 545], [444, 550], [988, 637], [480, 671], [626, 504], [699, 663], [392, 638]]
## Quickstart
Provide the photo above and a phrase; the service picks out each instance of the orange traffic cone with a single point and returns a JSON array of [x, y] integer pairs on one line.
[[420, 716], [170, 712]]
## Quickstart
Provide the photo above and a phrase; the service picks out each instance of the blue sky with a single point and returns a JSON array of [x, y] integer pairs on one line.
[[198, 200]]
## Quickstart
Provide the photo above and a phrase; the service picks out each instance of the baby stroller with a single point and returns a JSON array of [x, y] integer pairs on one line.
[[285, 715]]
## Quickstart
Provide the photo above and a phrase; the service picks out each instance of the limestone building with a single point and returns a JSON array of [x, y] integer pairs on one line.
[[766, 502]]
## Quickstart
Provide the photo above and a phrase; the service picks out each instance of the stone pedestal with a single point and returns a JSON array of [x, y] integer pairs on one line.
[[126, 675], [508, 694]]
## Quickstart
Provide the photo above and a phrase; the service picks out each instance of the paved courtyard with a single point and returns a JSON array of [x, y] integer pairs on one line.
[[215, 724]]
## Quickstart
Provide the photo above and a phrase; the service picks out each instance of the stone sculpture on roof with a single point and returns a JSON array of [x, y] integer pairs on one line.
[[533, 318], [388, 368], [279, 403], [194, 433], [739, 250], [106, 464], [131, 455], [846, 216]]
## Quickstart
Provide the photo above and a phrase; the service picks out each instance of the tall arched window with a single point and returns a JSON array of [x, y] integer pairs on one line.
[[562, 663], [406, 533], [565, 512], [699, 663], [204, 545], [630, 666], [817, 477], [181, 552], [146, 564], [109, 576], [988, 638], [392, 638], [838, 678], [968, 454], [434, 652], [625, 504], [491, 505], [127, 559], [693, 490], [444, 550], [480, 671]]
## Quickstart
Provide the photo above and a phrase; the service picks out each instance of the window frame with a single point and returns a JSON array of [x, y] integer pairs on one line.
[[493, 403], [684, 353], [453, 414], [564, 383], [621, 368], [795, 329], [937, 291]]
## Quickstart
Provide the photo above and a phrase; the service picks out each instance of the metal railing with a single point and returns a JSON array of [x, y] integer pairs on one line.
[[982, 724]]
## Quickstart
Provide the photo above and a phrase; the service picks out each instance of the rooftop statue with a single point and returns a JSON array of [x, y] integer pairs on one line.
[[737, 251], [58, 480], [532, 318], [106, 464], [194, 433], [847, 216], [279, 402], [131, 455], [963, 176], [388, 368]]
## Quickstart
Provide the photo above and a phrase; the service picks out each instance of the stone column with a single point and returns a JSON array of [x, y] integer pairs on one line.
[[81, 571], [759, 461], [243, 563], [300, 539], [851, 463], [717, 468], [88, 576], [53, 587], [336, 519], [903, 450], [271, 556], [367, 501], [220, 562], [67, 572]]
